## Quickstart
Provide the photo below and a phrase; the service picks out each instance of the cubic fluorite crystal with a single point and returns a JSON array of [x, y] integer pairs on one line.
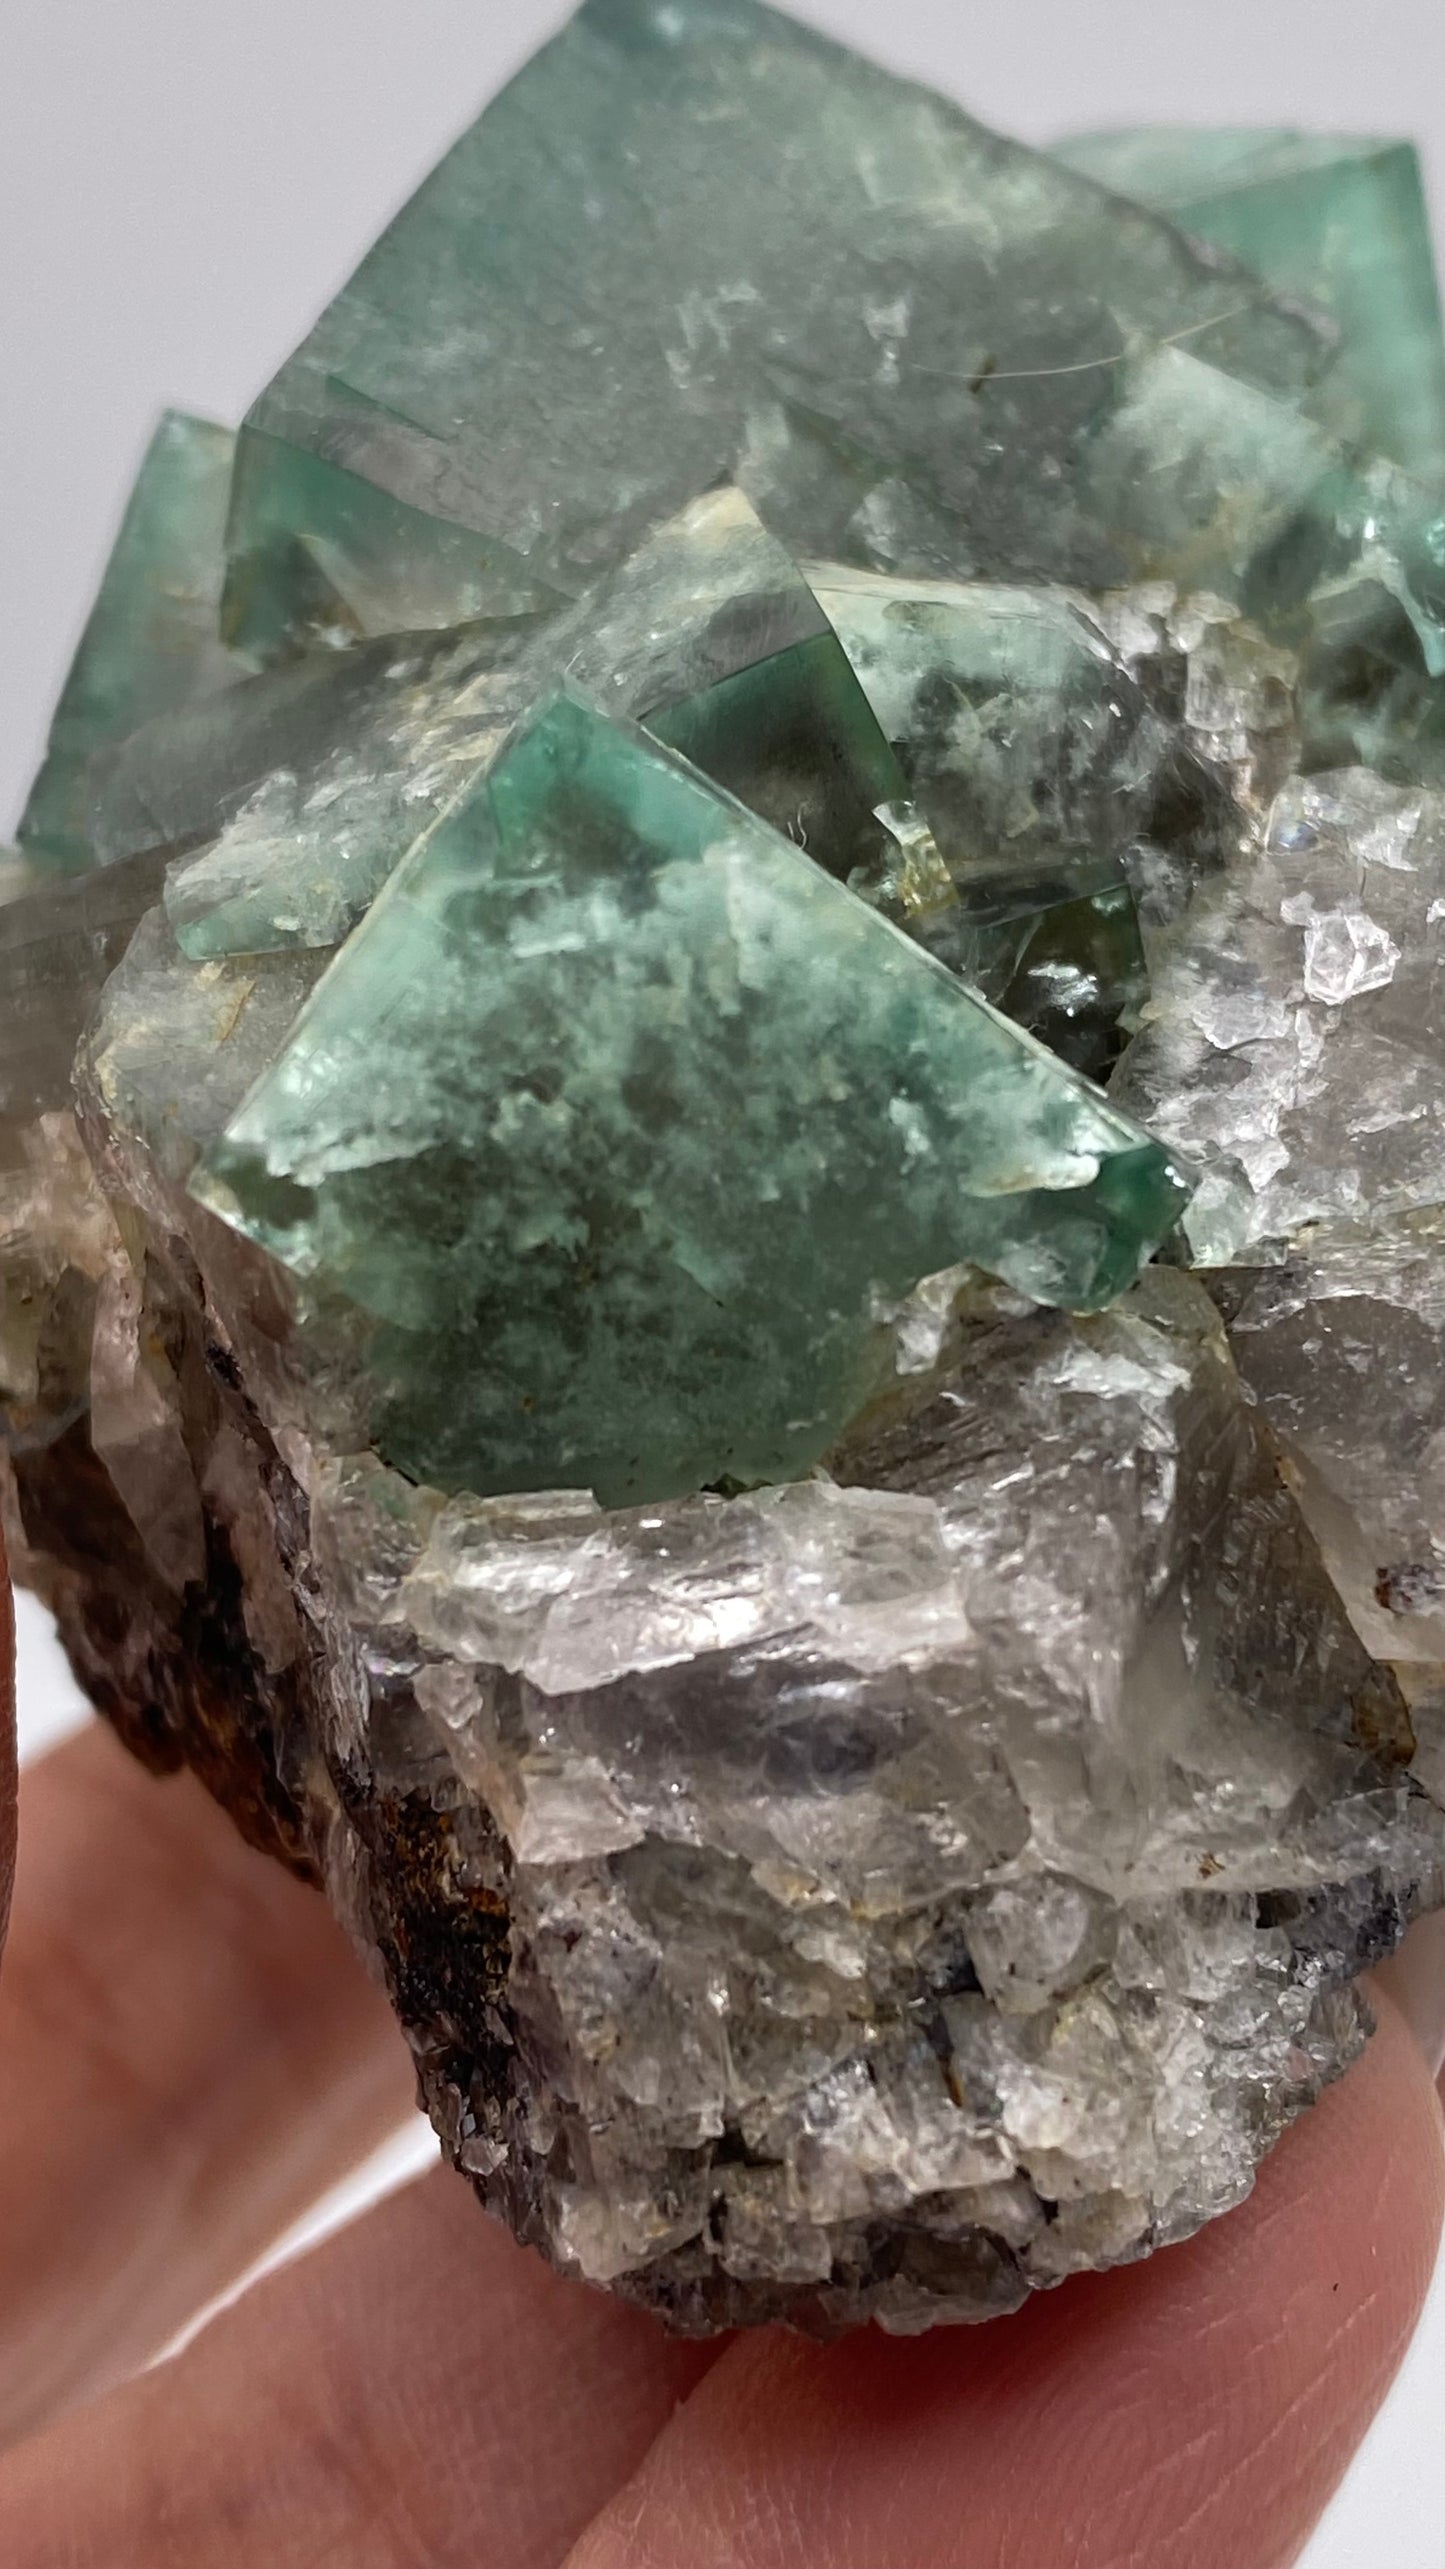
[[1338, 219], [152, 642], [584, 317], [856, 1624]]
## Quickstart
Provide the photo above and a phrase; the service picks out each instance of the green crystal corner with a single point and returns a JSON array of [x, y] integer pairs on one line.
[[618, 1124], [152, 641], [1338, 218], [698, 240]]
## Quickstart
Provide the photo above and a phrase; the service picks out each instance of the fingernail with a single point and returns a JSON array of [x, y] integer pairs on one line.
[[1415, 1979]]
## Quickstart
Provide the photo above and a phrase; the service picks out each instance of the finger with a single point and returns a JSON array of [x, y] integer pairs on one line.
[[189, 2055], [422, 2391], [7, 1740], [1195, 2410], [418, 2390]]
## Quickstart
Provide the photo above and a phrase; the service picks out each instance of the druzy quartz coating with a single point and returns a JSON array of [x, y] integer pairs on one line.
[[722, 1079]]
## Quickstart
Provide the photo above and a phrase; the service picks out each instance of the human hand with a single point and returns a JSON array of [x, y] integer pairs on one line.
[[189, 2054]]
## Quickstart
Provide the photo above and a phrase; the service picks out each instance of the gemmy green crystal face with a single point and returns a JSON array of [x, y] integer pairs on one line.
[[1013, 722], [152, 640], [918, 347], [709, 634], [623, 1123], [1039, 764], [694, 238], [1341, 218], [330, 557]]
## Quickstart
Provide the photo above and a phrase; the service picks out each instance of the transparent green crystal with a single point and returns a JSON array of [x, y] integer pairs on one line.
[[623, 1124], [1005, 707], [330, 557], [710, 634], [1340, 218], [1212, 484], [1039, 764], [152, 640], [698, 240], [711, 637], [323, 774]]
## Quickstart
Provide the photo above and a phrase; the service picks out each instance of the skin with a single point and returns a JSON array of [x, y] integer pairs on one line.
[[188, 2054]]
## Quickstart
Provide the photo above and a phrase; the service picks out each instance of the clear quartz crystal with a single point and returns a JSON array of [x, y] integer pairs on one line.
[[1296, 1027], [1295, 1045]]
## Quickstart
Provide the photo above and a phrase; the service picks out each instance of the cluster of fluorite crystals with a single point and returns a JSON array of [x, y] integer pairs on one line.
[[722, 1145]]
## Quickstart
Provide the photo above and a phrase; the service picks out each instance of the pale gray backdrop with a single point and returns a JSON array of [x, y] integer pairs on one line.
[[183, 183]]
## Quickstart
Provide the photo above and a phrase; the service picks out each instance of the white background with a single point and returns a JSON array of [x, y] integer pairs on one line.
[[184, 182]]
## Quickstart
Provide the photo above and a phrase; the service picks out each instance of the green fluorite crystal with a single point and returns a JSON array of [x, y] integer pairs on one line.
[[1213, 485], [624, 1123], [1011, 717], [152, 640], [328, 556], [693, 238], [1039, 765], [712, 638], [1212, 482], [709, 634], [1341, 218], [918, 348]]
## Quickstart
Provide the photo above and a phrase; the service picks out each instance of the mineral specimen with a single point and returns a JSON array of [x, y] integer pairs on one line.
[[578, 1335], [709, 634]]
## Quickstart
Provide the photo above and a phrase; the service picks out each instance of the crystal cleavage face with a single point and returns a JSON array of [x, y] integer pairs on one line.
[[721, 1079]]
